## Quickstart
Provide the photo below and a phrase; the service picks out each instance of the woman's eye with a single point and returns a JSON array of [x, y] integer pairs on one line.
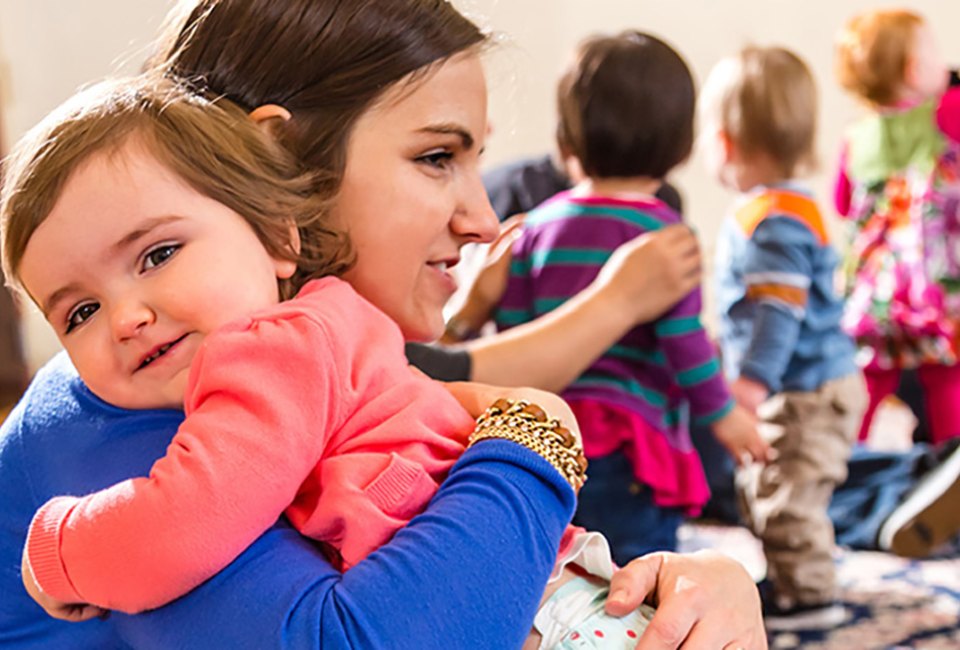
[[79, 315], [159, 255], [438, 159]]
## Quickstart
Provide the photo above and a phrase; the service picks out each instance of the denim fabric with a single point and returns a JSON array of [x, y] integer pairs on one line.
[[613, 503]]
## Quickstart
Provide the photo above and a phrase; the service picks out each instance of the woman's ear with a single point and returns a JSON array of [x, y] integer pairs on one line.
[[265, 114]]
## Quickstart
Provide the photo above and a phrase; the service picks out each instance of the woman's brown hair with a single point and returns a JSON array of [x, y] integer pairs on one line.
[[211, 145], [325, 61]]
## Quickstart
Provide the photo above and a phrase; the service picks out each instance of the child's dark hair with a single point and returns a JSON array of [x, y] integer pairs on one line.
[[626, 107], [210, 144]]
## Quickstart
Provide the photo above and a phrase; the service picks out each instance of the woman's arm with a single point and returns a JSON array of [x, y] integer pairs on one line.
[[642, 279], [472, 567]]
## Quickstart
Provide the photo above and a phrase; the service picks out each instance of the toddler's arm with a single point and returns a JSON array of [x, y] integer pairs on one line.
[[842, 187], [778, 274], [234, 465], [693, 358], [948, 113]]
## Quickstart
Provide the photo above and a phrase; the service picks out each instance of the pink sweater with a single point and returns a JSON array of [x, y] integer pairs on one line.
[[307, 409]]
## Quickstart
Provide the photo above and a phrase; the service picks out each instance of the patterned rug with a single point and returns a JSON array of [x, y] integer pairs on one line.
[[891, 602]]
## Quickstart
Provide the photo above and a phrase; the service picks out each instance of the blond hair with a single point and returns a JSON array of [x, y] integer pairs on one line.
[[210, 144], [872, 51], [765, 99]]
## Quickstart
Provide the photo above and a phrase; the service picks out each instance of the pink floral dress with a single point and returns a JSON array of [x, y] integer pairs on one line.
[[900, 187]]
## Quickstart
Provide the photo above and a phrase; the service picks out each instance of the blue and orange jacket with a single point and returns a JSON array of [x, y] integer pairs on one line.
[[779, 310]]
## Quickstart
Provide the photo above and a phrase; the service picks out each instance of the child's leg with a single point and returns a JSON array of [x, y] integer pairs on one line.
[[786, 501], [941, 397], [880, 385], [613, 503]]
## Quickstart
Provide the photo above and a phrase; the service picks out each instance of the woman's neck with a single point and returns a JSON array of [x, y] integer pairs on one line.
[[642, 186]]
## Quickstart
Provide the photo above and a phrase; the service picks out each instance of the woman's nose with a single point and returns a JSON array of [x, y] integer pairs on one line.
[[475, 219]]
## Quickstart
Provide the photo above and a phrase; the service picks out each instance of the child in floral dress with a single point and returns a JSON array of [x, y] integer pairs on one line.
[[899, 185]]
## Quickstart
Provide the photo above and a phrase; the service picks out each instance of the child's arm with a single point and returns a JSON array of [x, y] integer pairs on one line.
[[693, 358], [842, 187], [948, 113], [777, 274], [235, 464]]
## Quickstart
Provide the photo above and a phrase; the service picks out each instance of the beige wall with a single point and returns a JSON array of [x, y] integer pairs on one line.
[[49, 47]]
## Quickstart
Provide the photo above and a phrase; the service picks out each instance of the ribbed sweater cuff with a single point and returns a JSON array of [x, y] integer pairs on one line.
[[43, 550]]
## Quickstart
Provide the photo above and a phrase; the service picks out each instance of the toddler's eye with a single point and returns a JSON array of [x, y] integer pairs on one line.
[[159, 255], [79, 315]]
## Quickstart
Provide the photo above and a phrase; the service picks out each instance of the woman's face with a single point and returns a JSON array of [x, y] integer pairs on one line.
[[412, 196]]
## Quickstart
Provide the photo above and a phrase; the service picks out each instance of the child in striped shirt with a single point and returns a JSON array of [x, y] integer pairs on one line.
[[626, 110]]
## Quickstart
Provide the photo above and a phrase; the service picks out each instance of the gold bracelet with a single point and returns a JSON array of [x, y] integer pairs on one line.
[[528, 425]]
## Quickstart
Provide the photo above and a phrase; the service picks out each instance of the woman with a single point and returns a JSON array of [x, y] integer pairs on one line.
[[282, 592]]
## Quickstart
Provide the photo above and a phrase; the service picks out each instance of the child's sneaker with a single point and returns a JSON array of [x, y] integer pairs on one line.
[[930, 514], [780, 617]]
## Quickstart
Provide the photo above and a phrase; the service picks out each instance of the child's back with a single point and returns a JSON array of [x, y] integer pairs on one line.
[[776, 250], [564, 244], [899, 184], [626, 110]]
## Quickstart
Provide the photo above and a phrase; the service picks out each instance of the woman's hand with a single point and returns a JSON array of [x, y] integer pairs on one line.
[[704, 600], [489, 285], [73, 612], [475, 398], [650, 274]]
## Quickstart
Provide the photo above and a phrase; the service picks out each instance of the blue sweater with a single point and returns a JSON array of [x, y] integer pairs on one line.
[[779, 313], [469, 572]]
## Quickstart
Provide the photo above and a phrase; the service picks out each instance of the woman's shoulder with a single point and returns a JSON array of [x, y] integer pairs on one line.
[[59, 428]]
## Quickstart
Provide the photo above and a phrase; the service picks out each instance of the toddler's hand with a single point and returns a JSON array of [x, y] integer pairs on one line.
[[73, 612], [749, 394], [737, 431]]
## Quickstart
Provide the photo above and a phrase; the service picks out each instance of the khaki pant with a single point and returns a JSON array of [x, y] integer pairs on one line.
[[785, 502]]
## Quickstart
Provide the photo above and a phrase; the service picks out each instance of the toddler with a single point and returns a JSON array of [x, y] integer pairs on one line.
[[780, 333], [899, 185], [626, 108], [218, 293]]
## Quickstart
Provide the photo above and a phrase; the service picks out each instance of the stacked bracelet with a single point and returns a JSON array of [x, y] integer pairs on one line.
[[527, 424]]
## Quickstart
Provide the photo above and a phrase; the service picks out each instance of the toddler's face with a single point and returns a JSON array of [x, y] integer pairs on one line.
[[133, 268]]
